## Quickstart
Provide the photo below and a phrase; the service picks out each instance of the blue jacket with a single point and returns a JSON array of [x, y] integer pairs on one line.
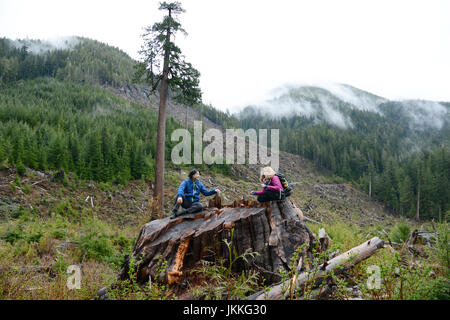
[[192, 190]]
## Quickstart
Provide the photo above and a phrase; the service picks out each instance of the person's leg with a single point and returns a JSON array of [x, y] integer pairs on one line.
[[185, 205], [191, 207], [188, 207], [194, 208], [176, 206], [268, 196]]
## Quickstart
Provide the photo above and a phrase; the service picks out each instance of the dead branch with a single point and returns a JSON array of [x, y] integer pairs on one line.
[[310, 220]]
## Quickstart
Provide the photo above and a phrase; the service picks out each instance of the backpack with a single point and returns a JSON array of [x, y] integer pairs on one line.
[[287, 189]]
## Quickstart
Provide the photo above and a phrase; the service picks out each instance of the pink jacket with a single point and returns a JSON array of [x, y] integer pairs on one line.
[[275, 186]]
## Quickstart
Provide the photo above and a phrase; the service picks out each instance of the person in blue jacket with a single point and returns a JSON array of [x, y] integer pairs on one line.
[[188, 195]]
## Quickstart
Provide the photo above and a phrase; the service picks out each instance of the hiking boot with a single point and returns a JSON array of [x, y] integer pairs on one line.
[[174, 214]]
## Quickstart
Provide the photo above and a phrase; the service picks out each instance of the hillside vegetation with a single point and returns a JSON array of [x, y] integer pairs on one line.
[[78, 59], [48, 124], [394, 146], [63, 108]]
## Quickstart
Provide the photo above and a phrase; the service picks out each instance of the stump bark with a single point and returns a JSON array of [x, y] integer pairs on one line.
[[273, 229]]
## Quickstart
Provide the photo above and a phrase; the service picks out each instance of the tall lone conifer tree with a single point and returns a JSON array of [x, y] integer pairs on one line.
[[164, 67]]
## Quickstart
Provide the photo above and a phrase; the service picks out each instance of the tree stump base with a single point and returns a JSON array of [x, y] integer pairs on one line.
[[273, 229]]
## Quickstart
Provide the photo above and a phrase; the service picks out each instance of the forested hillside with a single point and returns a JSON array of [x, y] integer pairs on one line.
[[55, 116], [388, 148], [77, 59], [71, 106], [52, 125]]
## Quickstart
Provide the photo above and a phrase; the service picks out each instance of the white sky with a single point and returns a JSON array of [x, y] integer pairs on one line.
[[245, 49]]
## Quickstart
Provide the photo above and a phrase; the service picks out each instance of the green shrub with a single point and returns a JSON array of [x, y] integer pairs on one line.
[[60, 265], [442, 248], [436, 289], [121, 241], [17, 213], [35, 237], [65, 209], [65, 181], [116, 260], [96, 246], [221, 281], [130, 288], [26, 188], [401, 233], [21, 169], [13, 236], [59, 233], [105, 186]]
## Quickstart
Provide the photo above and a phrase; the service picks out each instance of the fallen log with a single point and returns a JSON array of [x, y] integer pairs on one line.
[[274, 230], [338, 265]]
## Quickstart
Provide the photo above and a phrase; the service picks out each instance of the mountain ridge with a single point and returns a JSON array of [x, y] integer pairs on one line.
[[76, 163], [356, 145]]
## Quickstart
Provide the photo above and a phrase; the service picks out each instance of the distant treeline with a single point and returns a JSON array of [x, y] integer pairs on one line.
[[224, 119], [58, 120], [87, 61], [51, 117], [46, 124]]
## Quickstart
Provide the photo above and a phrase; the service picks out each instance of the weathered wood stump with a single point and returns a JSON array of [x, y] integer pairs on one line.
[[273, 229]]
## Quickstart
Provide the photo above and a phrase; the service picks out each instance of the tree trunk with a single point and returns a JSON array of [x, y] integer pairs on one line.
[[418, 202], [161, 134], [370, 186], [273, 229]]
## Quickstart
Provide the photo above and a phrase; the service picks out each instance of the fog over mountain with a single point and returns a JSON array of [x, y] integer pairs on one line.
[[426, 114], [43, 46], [332, 103], [323, 102]]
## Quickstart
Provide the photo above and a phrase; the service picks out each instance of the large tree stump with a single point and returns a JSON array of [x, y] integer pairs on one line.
[[273, 229]]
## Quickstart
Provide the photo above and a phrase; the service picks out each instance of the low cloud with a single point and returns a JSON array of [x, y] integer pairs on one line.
[[359, 99], [324, 102], [425, 114], [43, 46]]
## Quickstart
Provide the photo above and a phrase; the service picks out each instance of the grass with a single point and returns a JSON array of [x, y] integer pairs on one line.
[[129, 289], [219, 282], [48, 227], [43, 235], [34, 263], [404, 276], [33, 243]]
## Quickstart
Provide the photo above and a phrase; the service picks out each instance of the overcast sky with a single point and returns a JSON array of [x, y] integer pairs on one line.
[[245, 49]]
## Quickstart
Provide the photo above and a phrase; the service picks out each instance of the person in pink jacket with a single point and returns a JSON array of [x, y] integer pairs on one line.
[[271, 186]]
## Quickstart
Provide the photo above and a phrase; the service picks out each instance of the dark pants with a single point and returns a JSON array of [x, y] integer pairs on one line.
[[188, 206], [270, 196]]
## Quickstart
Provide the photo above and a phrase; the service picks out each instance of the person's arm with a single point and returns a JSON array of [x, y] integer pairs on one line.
[[259, 192], [181, 189], [276, 185], [206, 192]]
